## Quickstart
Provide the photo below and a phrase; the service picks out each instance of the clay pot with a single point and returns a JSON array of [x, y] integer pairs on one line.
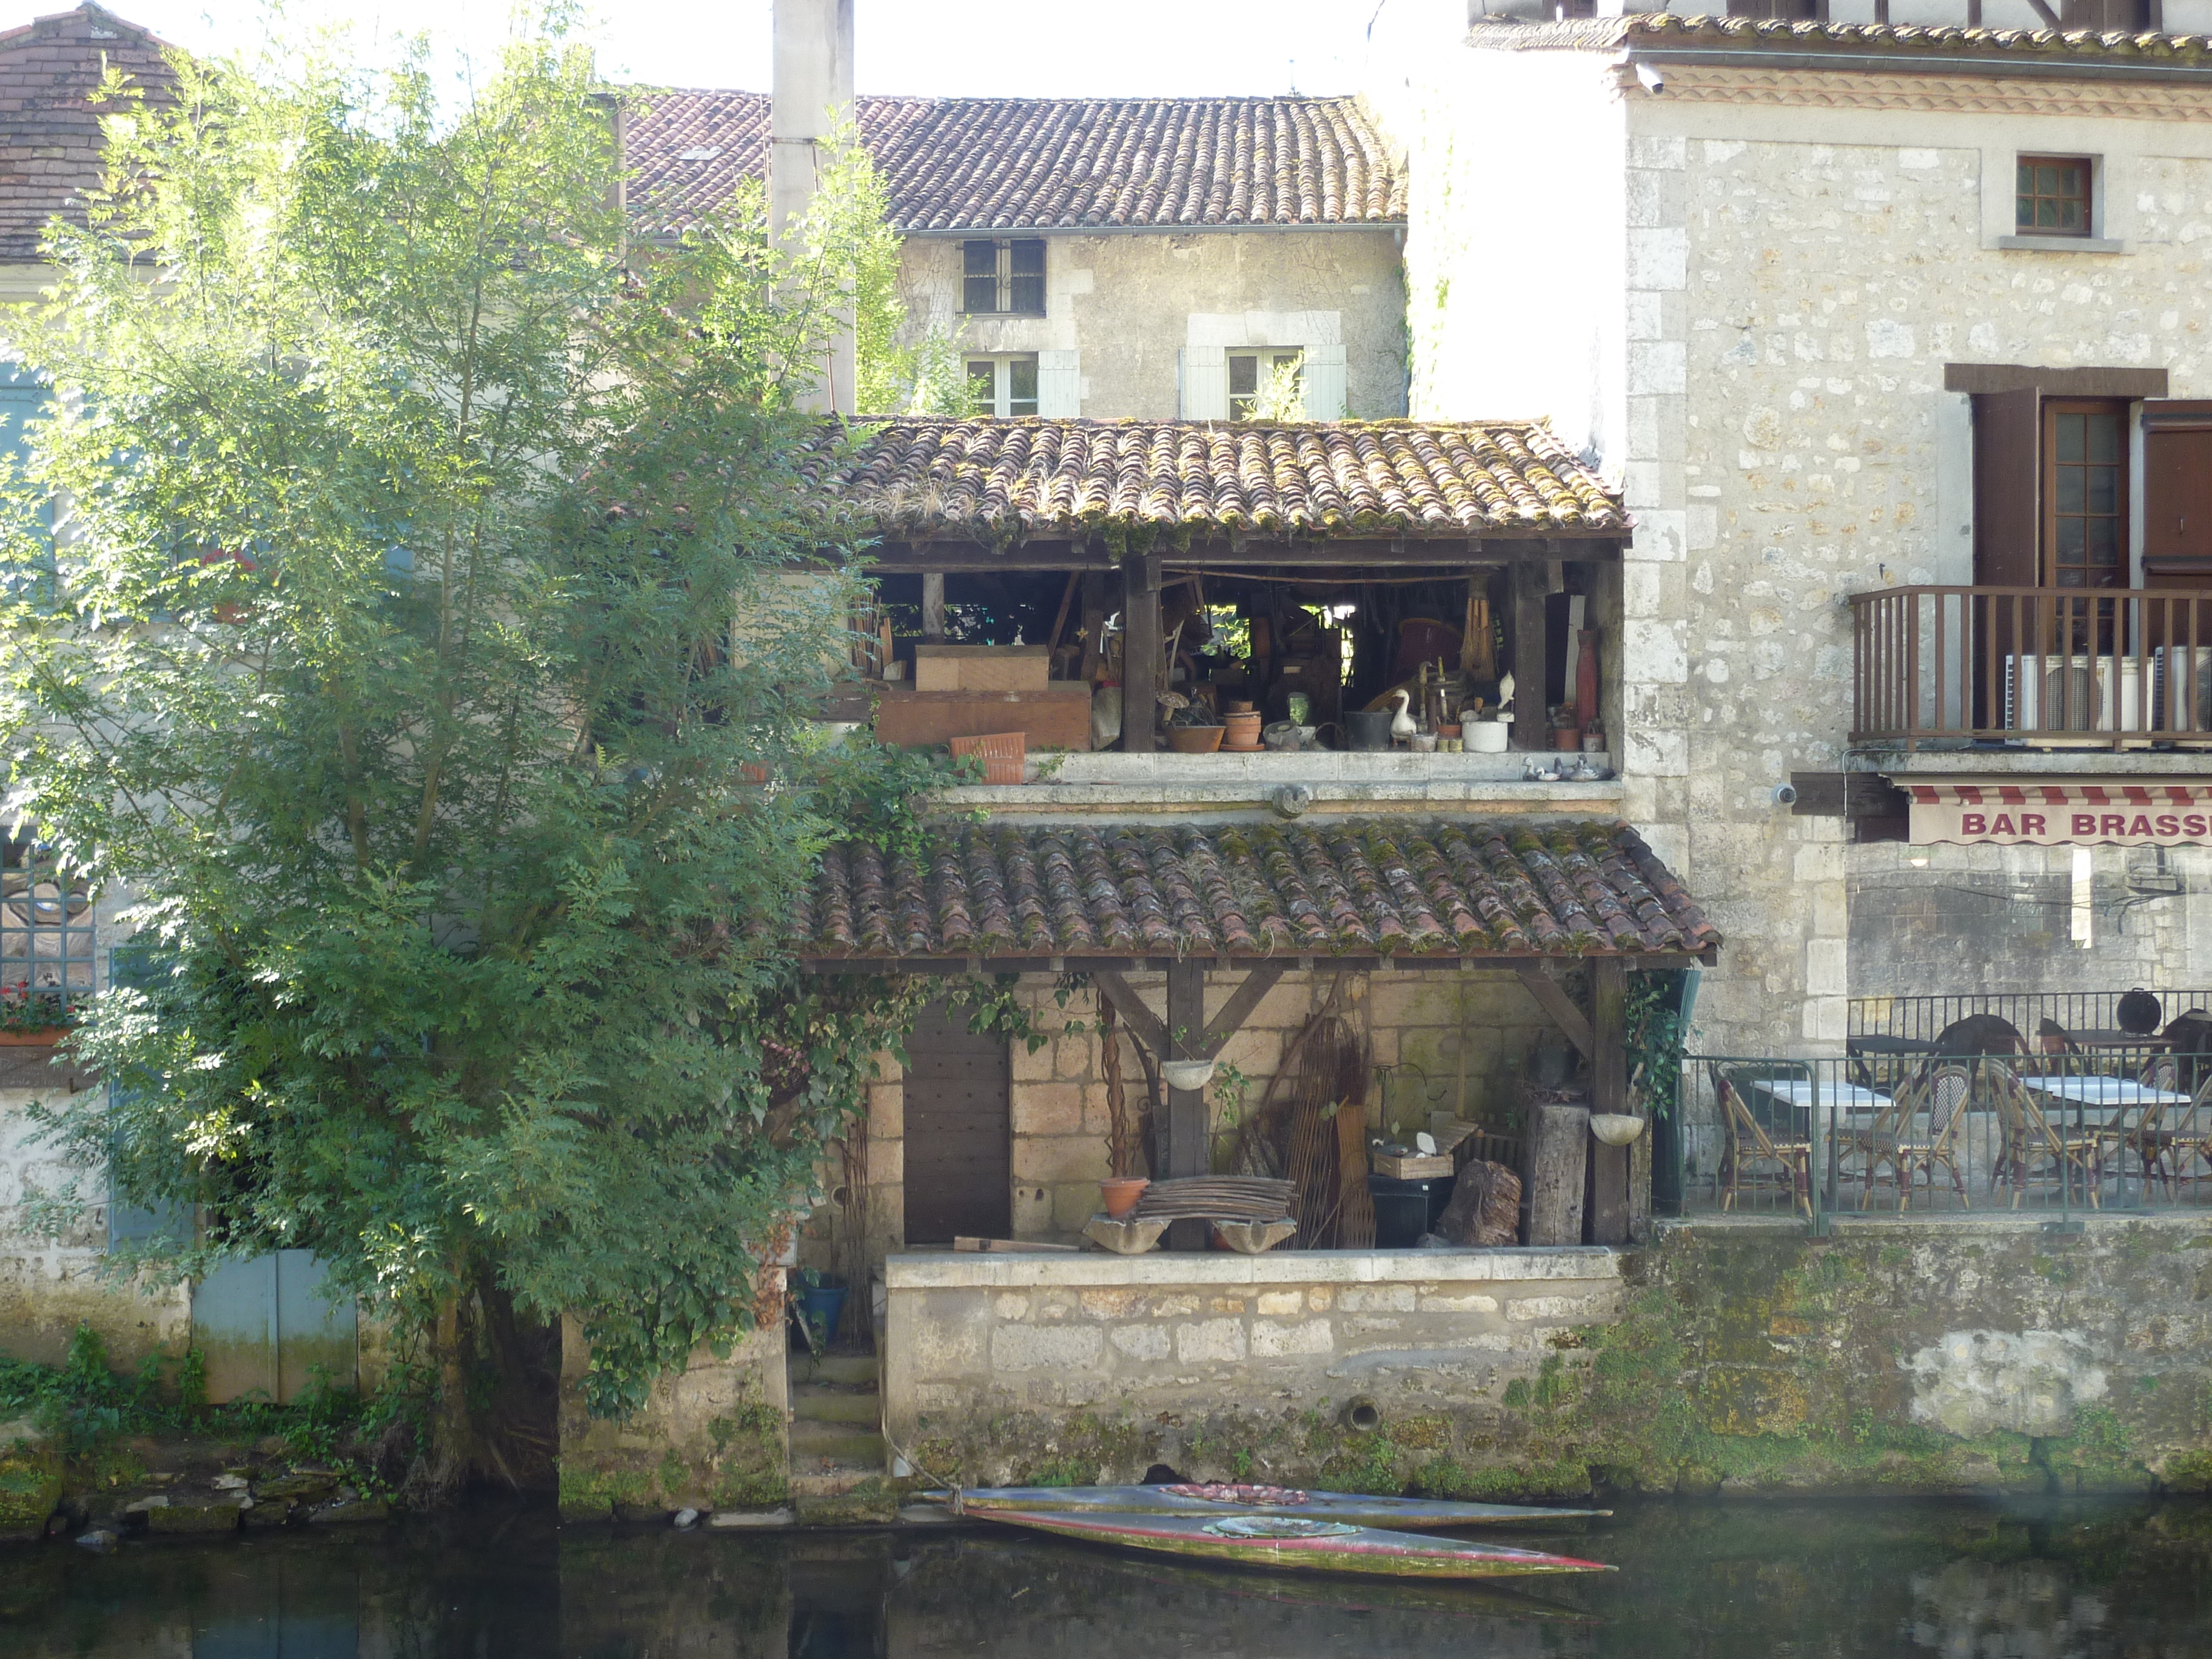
[[1122, 1192], [1567, 737], [45, 1037], [1237, 705], [1194, 739], [1241, 730]]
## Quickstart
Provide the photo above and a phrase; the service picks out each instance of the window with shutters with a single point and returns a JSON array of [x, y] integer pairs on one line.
[[1005, 385], [2085, 493], [1002, 277], [1253, 376], [2051, 195], [46, 935]]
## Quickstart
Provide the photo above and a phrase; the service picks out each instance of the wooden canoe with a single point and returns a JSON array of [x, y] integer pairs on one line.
[[1421, 1514], [1299, 1544]]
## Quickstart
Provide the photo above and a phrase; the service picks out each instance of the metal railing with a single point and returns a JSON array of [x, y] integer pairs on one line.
[[2084, 1016], [2044, 666], [1921, 1134]]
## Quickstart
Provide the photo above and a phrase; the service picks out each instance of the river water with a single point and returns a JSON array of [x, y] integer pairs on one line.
[[2020, 1580]]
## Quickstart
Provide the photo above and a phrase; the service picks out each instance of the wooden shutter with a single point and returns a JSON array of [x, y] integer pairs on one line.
[[2177, 493], [2007, 489], [959, 1132], [1059, 384], [1204, 383], [1323, 388]]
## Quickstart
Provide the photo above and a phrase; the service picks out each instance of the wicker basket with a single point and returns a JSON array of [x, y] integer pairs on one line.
[[1002, 753]]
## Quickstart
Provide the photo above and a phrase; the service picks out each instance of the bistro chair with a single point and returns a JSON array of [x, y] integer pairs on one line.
[[2165, 1135], [2028, 1147], [1874, 1143], [1744, 1143], [1944, 1094]]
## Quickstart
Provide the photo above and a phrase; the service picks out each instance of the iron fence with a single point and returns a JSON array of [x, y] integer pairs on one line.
[[2080, 1018], [2112, 1127]]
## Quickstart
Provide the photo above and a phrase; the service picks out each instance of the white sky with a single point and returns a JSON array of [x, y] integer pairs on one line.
[[1035, 48]]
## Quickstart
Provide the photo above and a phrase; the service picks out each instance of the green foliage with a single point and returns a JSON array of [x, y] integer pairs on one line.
[[434, 643], [1656, 1034], [926, 378], [1282, 396]]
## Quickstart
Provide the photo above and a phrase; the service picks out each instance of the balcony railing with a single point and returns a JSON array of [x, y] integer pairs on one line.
[[2049, 667]]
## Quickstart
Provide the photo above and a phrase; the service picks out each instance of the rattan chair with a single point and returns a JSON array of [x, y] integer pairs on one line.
[[2162, 1136], [2030, 1148], [1744, 1143], [1943, 1092]]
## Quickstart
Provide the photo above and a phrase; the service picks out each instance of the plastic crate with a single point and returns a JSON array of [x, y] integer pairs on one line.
[[1002, 753]]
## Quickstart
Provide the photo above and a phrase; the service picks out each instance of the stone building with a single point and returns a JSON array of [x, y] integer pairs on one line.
[[1843, 303], [1106, 257]]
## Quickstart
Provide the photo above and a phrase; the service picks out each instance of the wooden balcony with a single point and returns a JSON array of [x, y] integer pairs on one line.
[[2040, 667]]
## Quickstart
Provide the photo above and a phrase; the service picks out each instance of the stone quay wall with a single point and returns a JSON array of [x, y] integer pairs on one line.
[[1329, 1368]]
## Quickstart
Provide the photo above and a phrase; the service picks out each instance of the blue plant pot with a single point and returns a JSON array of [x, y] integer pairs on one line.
[[822, 1306]]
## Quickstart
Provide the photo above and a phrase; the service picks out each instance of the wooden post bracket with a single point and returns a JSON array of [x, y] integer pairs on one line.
[[1559, 1005], [1151, 1030]]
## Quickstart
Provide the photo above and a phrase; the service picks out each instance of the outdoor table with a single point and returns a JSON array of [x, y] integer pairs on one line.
[[1796, 1093], [1875, 1043], [2116, 1040], [1890, 1057], [2098, 1101]]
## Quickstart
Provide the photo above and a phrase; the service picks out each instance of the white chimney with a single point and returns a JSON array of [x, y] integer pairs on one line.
[[813, 95]]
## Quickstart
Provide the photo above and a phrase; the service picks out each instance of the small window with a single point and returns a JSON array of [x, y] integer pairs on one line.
[[2051, 197], [2086, 485], [1003, 385], [1252, 375], [46, 933], [1790, 11], [2132, 16], [1003, 279]]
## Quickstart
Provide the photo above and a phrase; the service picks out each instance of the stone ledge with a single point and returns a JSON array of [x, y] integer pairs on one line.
[[1012, 1270]]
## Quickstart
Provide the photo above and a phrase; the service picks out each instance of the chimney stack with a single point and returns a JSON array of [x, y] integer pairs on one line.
[[813, 94]]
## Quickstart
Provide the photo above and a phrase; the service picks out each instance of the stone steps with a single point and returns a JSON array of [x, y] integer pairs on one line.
[[833, 1368], [810, 1403], [813, 1441]]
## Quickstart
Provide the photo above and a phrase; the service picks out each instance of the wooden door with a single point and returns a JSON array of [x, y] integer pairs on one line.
[[959, 1132]]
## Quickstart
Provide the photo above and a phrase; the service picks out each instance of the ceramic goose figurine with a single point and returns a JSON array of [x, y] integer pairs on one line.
[[1401, 723]]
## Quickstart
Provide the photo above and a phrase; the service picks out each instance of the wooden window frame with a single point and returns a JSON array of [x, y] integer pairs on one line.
[[2048, 465], [1265, 360], [2088, 229], [1002, 366]]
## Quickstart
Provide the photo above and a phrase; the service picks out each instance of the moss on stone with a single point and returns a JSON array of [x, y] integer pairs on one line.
[[31, 1484]]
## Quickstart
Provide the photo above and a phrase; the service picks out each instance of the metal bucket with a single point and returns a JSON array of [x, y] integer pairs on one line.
[[1369, 728]]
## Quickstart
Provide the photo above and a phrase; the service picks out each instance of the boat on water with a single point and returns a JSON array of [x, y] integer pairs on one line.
[[1297, 1543], [1219, 1498]]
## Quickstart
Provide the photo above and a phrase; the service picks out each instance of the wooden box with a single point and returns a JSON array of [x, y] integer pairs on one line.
[[981, 668], [1058, 717], [1413, 1166]]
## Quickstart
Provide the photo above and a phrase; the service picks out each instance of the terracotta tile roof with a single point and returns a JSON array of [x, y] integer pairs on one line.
[[2141, 49], [1440, 888], [1009, 480], [49, 131], [1024, 163]]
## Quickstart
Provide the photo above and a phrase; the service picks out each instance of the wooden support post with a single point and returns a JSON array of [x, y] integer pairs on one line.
[[1559, 1145], [1188, 1150], [1532, 719], [1095, 609], [933, 606], [1140, 652], [1608, 1209], [1559, 1005]]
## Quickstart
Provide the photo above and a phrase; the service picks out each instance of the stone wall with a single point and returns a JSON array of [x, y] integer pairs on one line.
[[1129, 303], [1333, 1368], [715, 1436], [50, 1284], [1989, 1354]]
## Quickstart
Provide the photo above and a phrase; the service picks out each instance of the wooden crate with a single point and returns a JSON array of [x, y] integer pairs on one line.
[[1413, 1166], [1058, 717], [1001, 753], [981, 668]]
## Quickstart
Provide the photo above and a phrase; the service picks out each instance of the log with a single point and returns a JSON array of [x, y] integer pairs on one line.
[[1485, 1208], [1558, 1148]]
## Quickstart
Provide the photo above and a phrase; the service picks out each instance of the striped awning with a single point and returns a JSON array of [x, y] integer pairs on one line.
[[2120, 811]]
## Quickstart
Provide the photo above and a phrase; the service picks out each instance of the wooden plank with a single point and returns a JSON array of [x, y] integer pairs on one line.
[[1230, 1020], [1190, 1149], [1558, 1146], [1608, 1050], [1559, 1005], [1144, 1025], [932, 605], [1983, 378], [1531, 719], [1004, 1245], [1140, 653]]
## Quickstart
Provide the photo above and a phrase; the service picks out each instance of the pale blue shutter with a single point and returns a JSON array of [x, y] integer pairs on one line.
[[23, 398]]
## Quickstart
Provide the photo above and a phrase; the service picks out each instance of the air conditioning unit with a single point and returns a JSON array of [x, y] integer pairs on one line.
[[2051, 694], [2170, 686]]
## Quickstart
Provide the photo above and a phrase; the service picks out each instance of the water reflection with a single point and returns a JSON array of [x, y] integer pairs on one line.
[[2042, 1581]]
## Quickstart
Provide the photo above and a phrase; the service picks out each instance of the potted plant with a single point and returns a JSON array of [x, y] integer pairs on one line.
[[34, 1017], [1123, 1186]]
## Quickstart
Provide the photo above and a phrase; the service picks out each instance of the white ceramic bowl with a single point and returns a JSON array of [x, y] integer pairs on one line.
[[1615, 1128]]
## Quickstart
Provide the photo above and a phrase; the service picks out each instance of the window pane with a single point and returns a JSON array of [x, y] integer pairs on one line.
[[1021, 381], [2103, 433], [1243, 374], [2072, 540], [979, 293], [2025, 176], [2070, 216], [2071, 490], [979, 259], [2046, 213], [1028, 294], [982, 387], [2104, 489], [2104, 541], [2073, 437], [1029, 257], [2072, 578]]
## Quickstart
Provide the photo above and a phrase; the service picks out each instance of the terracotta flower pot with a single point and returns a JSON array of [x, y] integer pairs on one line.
[[1122, 1192], [44, 1037], [1194, 739], [1240, 731]]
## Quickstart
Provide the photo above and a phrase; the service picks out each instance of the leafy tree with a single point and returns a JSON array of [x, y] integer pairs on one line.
[[925, 377], [438, 621]]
